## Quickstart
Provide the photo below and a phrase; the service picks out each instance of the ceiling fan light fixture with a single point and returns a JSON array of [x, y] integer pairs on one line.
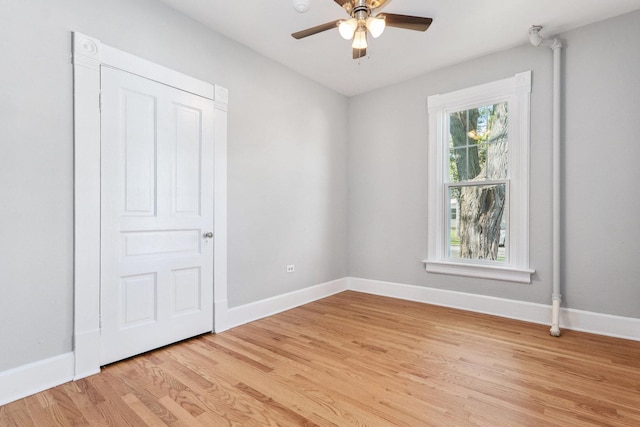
[[347, 28], [360, 39], [375, 26]]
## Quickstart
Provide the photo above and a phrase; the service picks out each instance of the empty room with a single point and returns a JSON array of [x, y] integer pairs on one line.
[[319, 212]]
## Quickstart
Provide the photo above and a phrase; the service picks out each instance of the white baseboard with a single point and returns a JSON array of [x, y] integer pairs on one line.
[[601, 324], [578, 320], [35, 377], [240, 315]]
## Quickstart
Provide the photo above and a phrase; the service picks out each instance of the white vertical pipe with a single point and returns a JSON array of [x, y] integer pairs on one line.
[[556, 296], [556, 46]]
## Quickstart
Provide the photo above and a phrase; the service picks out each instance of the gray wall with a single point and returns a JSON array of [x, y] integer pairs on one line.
[[388, 177], [287, 161], [602, 222]]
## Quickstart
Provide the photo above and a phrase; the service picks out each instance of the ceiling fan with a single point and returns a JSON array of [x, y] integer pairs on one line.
[[363, 21]]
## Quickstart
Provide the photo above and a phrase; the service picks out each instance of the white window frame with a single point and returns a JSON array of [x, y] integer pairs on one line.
[[516, 91]]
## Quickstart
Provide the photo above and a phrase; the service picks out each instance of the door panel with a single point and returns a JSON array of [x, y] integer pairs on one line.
[[187, 162], [158, 242], [156, 205], [138, 293], [187, 287], [139, 139]]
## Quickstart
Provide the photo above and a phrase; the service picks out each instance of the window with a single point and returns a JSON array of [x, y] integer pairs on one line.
[[479, 181]]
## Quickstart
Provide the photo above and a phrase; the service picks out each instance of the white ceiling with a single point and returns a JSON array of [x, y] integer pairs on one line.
[[461, 29]]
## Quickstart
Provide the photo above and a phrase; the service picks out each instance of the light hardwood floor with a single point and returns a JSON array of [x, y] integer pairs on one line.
[[357, 359]]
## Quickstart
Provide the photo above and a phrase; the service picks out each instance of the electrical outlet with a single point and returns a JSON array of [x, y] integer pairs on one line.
[[291, 268]]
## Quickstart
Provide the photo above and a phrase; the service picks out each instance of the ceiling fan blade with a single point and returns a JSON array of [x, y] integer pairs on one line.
[[315, 30], [416, 23], [359, 53], [341, 2]]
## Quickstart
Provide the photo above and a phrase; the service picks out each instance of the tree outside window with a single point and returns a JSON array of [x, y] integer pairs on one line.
[[478, 169]]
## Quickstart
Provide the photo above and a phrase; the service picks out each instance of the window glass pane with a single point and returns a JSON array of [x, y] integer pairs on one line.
[[478, 142], [479, 229], [456, 157]]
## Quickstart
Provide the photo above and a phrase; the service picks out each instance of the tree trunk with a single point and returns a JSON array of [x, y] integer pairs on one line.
[[481, 210]]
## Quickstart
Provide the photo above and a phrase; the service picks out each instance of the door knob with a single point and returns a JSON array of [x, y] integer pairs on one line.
[[208, 235]]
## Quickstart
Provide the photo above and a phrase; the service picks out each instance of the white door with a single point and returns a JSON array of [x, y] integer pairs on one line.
[[157, 215]]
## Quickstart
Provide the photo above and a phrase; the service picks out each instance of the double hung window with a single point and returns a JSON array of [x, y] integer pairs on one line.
[[479, 181]]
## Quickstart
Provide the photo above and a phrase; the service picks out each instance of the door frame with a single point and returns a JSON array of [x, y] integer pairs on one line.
[[89, 56]]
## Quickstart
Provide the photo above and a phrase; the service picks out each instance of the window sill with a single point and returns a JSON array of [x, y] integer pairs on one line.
[[508, 274]]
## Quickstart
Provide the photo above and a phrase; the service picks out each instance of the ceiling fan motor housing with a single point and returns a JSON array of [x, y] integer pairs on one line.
[[360, 10], [353, 6]]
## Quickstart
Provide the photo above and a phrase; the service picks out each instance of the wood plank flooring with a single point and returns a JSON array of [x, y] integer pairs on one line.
[[353, 360]]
